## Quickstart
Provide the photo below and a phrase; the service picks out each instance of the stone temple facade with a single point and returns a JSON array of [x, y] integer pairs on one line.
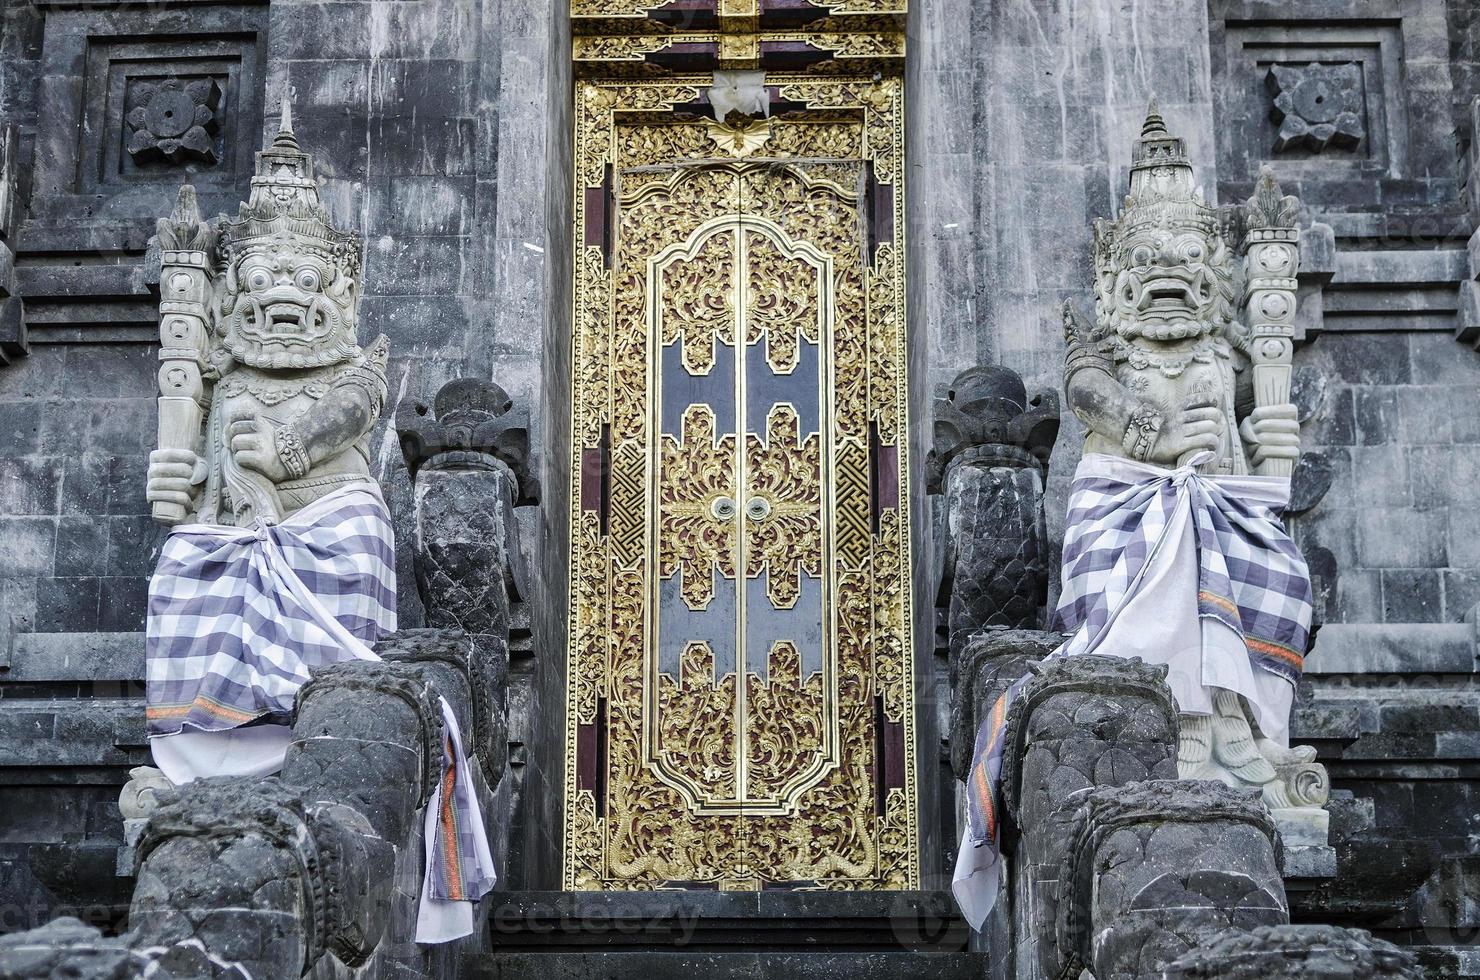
[[545, 194]]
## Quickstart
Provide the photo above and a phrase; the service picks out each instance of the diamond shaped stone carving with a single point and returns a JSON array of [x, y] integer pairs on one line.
[[1317, 106], [173, 120]]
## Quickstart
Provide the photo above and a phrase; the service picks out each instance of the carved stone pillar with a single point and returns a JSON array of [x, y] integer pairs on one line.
[[991, 448], [1295, 953], [468, 455], [1152, 867], [1082, 723], [260, 877]]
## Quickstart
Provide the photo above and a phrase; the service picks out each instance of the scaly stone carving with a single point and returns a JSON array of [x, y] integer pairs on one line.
[[991, 451], [1153, 866], [173, 120], [987, 665], [469, 458], [1082, 723], [1317, 105], [267, 399], [1295, 953], [468, 454], [368, 734], [260, 878], [473, 676], [1190, 352], [1086, 722]]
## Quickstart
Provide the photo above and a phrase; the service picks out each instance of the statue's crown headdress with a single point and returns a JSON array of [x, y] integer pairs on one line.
[[1162, 187], [285, 203]]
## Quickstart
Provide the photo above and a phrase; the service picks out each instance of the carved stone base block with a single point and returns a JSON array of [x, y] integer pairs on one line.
[[984, 668], [1155, 866], [259, 878], [370, 735], [1295, 953]]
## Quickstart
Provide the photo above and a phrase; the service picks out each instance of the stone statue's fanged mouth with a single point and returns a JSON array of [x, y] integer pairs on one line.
[[287, 319], [1168, 297]]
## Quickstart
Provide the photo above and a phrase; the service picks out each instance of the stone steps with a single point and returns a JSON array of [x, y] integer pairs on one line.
[[711, 934], [674, 965]]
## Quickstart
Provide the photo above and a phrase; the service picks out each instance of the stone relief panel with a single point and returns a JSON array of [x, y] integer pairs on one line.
[[134, 100], [1318, 106], [166, 107], [174, 120], [1349, 100], [1313, 94]]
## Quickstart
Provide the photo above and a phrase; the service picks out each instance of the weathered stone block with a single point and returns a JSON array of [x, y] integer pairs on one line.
[[1291, 952], [986, 667], [68, 948], [259, 877], [1154, 866], [368, 734], [471, 671]]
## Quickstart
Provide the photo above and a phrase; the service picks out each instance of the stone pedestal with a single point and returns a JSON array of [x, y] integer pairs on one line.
[[1154, 866], [1295, 953]]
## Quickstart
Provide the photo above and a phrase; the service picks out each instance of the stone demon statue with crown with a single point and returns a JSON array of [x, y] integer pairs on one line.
[[1174, 550], [267, 399]]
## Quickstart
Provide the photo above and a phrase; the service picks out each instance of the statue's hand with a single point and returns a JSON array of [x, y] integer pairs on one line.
[[1190, 431], [172, 477], [254, 446], [1272, 432]]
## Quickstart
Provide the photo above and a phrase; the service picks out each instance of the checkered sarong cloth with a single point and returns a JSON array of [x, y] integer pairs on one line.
[[1251, 577], [239, 616], [236, 615]]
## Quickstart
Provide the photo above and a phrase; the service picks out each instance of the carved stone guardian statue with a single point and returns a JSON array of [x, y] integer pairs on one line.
[[1186, 368], [267, 399], [281, 560]]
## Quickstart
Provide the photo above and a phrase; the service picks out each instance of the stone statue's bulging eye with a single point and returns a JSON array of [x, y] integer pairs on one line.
[[1141, 255], [258, 279], [307, 279], [1193, 251]]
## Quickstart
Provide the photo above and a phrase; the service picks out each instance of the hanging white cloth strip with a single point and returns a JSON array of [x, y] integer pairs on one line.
[[239, 616]]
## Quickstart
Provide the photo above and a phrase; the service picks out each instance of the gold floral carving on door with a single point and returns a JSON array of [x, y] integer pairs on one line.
[[740, 706]]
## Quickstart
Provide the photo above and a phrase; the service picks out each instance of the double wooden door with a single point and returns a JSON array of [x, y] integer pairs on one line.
[[740, 708]]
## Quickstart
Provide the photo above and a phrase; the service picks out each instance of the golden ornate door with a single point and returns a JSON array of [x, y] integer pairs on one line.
[[740, 709]]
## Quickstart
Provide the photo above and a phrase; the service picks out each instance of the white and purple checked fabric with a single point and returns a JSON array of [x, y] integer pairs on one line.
[[239, 616], [232, 628], [1251, 576]]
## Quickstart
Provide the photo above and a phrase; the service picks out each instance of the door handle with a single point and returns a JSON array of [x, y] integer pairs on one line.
[[757, 508]]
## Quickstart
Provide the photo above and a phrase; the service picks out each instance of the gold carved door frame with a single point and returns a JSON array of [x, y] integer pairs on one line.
[[740, 686]]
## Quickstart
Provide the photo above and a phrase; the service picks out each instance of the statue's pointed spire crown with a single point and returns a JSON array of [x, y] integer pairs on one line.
[[1154, 124], [285, 200], [285, 138], [1161, 172]]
